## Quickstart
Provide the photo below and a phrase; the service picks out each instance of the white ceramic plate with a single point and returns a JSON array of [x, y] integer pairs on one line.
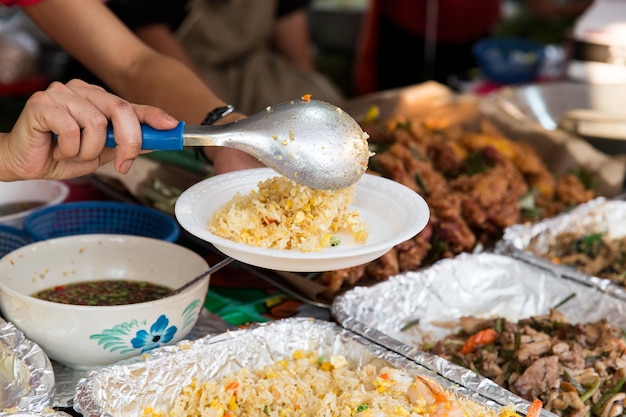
[[393, 213]]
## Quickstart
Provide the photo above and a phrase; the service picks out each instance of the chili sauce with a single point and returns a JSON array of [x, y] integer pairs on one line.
[[104, 292]]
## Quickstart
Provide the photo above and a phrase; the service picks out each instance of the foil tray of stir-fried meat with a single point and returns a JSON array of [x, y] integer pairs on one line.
[[576, 369], [587, 243], [527, 328]]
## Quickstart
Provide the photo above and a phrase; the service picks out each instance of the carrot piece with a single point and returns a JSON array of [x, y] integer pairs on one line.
[[479, 338], [385, 376], [306, 97], [535, 408], [231, 386]]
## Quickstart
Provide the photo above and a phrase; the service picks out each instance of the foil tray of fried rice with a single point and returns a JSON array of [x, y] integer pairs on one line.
[[587, 243], [27, 382], [289, 367], [524, 328]]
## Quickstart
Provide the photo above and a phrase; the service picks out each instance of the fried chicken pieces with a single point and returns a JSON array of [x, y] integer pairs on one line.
[[476, 183]]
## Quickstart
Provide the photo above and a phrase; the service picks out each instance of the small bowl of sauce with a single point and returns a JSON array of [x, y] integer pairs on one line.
[[18, 199]]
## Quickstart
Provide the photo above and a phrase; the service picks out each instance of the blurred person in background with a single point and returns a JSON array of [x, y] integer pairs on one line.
[[79, 114], [255, 53], [251, 53], [88, 31], [407, 42]]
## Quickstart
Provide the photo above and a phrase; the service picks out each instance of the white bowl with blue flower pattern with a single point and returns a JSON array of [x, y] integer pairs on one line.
[[86, 337]]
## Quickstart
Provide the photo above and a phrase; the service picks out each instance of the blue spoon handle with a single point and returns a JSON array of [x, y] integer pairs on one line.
[[153, 139]]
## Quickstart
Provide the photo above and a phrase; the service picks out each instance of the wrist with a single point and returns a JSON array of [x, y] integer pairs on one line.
[[217, 116]]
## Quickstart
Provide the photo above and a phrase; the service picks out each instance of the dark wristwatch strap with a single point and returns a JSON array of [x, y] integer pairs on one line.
[[217, 114], [213, 116]]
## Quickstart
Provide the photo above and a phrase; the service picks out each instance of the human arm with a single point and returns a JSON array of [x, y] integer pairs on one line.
[[154, 22], [159, 37], [79, 114], [92, 34]]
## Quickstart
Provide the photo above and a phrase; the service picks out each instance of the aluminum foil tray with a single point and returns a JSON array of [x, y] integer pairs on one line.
[[423, 306], [125, 390], [531, 242], [48, 412], [26, 375]]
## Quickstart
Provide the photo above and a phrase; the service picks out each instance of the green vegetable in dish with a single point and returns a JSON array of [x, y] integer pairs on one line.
[[589, 244]]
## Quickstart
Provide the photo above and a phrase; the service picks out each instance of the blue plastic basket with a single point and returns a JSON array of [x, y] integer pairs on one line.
[[100, 217], [12, 238], [509, 60]]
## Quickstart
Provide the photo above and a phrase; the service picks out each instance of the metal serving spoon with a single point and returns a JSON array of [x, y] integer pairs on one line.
[[311, 142], [200, 277]]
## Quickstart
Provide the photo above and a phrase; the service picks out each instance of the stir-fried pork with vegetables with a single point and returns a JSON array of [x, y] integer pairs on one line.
[[594, 254], [476, 183], [577, 370]]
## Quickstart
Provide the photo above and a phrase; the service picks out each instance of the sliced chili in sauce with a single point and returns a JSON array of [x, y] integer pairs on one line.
[[105, 292]]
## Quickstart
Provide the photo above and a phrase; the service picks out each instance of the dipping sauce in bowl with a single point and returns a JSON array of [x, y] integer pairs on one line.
[[104, 292]]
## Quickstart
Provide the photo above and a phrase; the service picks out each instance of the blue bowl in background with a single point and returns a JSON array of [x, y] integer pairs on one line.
[[97, 217], [509, 60], [12, 238]]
